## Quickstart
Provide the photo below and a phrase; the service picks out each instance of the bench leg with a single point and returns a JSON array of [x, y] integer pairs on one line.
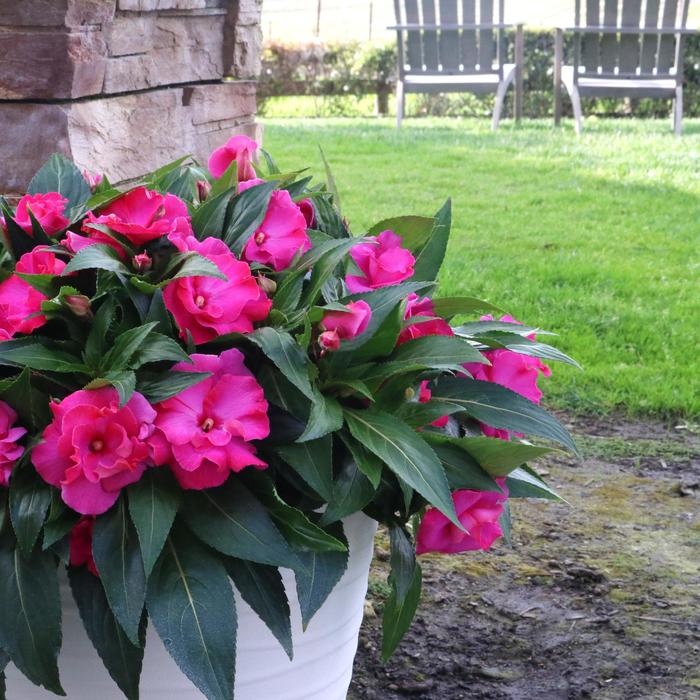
[[678, 111], [501, 97], [400, 103]]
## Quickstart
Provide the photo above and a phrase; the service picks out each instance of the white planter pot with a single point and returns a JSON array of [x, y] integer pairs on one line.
[[323, 655]]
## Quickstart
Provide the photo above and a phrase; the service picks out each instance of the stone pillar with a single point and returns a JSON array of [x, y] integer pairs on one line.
[[123, 86]]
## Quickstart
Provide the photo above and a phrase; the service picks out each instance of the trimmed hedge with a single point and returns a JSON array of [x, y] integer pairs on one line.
[[337, 70]]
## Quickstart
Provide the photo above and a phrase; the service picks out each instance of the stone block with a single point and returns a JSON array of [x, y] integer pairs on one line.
[[130, 34], [247, 53], [56, 13], [124, 135], [181, 49], [57, 64]]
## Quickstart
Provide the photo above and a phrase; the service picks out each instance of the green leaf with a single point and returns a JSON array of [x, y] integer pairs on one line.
[[313, 461], [367, 462], [325, 267], [402, 561], [228, 181], [118, 560], [20, 241], [330, 180], [497, 457], [525, 346], [320, 573], [169, 384], [120, 657], [399, 613], [405, 453], [208, 219], [61, 175], [97, 256], [429, 258], [523, 482], [27, 352], [126, 345], [30, 614], [60, 522], [414, 230], [32, 406], [123, 381], [190, 264], [46, 284], [233, 521], [284, 352], [463, 471], [157, 312], [153, 503], [326, 417], [352, 491], [158, 348], [248, 210], [262, 588], [30, 498], [446, 307], [97, 341], [190, 602], [502, 408]]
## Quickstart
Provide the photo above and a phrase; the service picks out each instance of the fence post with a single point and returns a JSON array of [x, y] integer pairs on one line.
[[519, 65], [318, 18], [558, 60], [371, 18]]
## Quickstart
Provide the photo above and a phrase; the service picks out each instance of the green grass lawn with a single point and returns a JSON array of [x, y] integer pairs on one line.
[[596, 239]]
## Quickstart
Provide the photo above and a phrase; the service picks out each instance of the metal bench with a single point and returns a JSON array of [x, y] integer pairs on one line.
[[624, 53], [444, 47]]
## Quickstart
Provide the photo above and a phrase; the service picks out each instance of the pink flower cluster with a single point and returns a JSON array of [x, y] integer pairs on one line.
[[10, 449], [94, 447], [47, 208], [515, 371], [344, 325], [382, 262], [478, 511], [80, 542]]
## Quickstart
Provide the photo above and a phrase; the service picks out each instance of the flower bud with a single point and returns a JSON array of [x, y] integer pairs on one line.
[[79, 304], [203, 189], [329, 340], [267, 285], [143, 262], [92, 179]]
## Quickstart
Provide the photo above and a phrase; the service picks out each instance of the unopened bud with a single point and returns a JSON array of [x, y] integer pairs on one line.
[[79, 304], [329, 340], [267, 285], [203, 189], [143, 262], [92, 179], [410, 393]]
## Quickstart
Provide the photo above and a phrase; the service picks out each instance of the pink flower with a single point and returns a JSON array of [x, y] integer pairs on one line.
[[142, 215], [239, 148], [424, 396], [204, 432], [382, 261], [73, 242], [416, 307], [93, 448], [517, 372], [142, 262], [208, 307], [81, 545], [20, 303], [281, 235], [10, 451], [306, 206], [329, 341], [350, 323], [92, 179], [47, 208], [478, 511]]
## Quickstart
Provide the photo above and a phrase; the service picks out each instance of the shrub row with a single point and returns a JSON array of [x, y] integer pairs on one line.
[[358, 69]]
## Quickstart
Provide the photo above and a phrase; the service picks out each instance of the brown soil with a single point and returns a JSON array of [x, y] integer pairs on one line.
[[596, 599]]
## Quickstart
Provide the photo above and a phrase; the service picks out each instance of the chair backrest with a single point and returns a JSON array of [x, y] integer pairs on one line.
[[446, 46], [646, 54]]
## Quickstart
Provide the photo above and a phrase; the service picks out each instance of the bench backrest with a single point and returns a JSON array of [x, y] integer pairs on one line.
[[444, 45], [645, 54]]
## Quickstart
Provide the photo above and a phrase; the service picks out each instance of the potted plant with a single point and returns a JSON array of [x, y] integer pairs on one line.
[[211, 394]]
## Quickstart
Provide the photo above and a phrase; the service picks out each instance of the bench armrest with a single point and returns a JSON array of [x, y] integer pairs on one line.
[[447, 27], [628, 30]]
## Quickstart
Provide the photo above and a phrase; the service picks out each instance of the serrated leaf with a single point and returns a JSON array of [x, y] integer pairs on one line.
[[61, 175], [169, 384], [247, 211], [523, 482], [118, 560], [190, 264], [326, 417], [352, 491], [121, 658], [124, 381], [208, 219], [399, 613], [26, 352], [190, 602], [446, 307], [126, 345], [313, 461], [96, 256], [30, 498], [153, 503]]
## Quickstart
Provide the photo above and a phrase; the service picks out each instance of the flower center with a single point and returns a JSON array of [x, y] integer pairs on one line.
[[200, 301], [260, 237], [96, 445], [207, 424]]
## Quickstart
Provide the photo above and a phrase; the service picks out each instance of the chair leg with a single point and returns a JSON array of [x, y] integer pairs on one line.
[[678, 111], [578, 112], [400, 103], [501, 98]]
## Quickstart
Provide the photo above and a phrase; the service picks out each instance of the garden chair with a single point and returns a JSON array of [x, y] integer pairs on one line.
[[626, 53], [443, 48]]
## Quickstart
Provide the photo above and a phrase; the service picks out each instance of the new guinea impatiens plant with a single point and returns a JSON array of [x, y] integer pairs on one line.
[[208, 371]]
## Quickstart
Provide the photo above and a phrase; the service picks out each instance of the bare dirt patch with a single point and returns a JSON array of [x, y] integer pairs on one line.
[[596, 599]]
